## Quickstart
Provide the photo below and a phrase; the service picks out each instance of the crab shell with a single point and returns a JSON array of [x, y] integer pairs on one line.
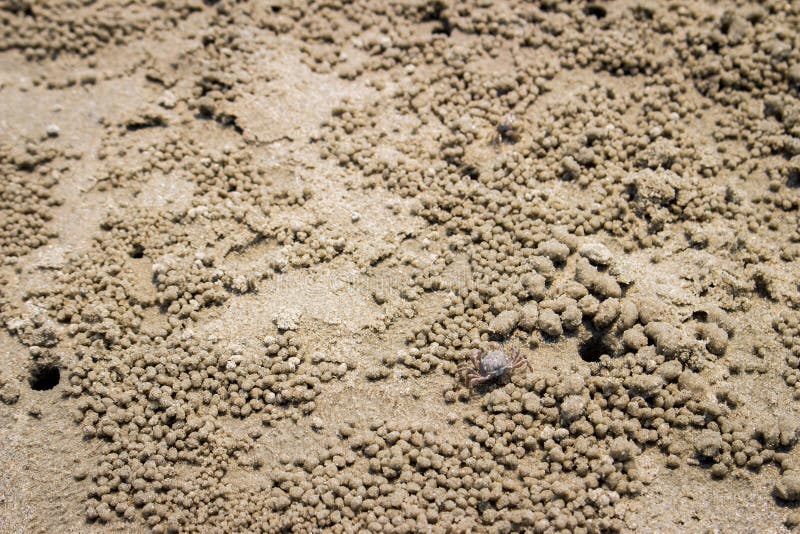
[[493, 364]]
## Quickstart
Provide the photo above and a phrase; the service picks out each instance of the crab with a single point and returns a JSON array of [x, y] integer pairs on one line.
[[486, 366], [508, 131]]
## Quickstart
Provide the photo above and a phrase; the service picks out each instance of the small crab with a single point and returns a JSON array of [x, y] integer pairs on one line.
[[508, 131], [487, 366]]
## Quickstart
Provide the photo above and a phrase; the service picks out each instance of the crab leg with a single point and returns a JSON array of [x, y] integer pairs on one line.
[[466, 372], [519, 361], [478, 380], [471, 377], [476, 359]]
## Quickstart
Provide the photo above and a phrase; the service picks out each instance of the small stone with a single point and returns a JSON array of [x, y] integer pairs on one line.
[[644, 386], [715, 337], [317, 424], [206, 106], [788, 487], [9, 393], [571, 317], [504, 323], [550, 323], [709, 444], [673, 461], [355, 217], [287, 319], [572, 408], [379, 296], [596, 253], [53, 130], [719, 470], [634, 339], [531, 403], [529, 315], [168, 99], [628, 315], [670, 370], [555, 250], [623, 449], [535, 284], [607, 313]]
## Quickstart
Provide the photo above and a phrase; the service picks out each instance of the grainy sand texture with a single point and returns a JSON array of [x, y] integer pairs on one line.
[[264, 266]]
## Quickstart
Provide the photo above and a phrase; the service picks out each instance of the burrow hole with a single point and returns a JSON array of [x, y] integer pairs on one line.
[[591, 349], [137, 251], [44, 377]]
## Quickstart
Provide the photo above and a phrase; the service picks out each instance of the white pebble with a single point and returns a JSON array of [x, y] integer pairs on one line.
[[596, 253]]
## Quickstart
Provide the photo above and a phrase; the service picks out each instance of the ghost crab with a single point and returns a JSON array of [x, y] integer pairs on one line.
[[486, 366], [508, 131]]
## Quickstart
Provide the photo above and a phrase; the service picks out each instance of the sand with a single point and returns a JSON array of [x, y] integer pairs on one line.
[[265, 266]]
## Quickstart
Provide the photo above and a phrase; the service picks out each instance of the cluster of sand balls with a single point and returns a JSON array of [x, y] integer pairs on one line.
[[155, 394], [9, 386], [41, 335], [162, 157], [513, 471], [9, 389], [26, 197], [43, 30], [628, 168], [396, 478], [158, 406], [185, 279], [224, 76], [788, 327]]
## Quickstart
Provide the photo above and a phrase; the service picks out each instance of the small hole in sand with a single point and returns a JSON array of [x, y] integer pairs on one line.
[[44, 377], [593, 10], [793, 178], [591, 349], [137, 251]]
